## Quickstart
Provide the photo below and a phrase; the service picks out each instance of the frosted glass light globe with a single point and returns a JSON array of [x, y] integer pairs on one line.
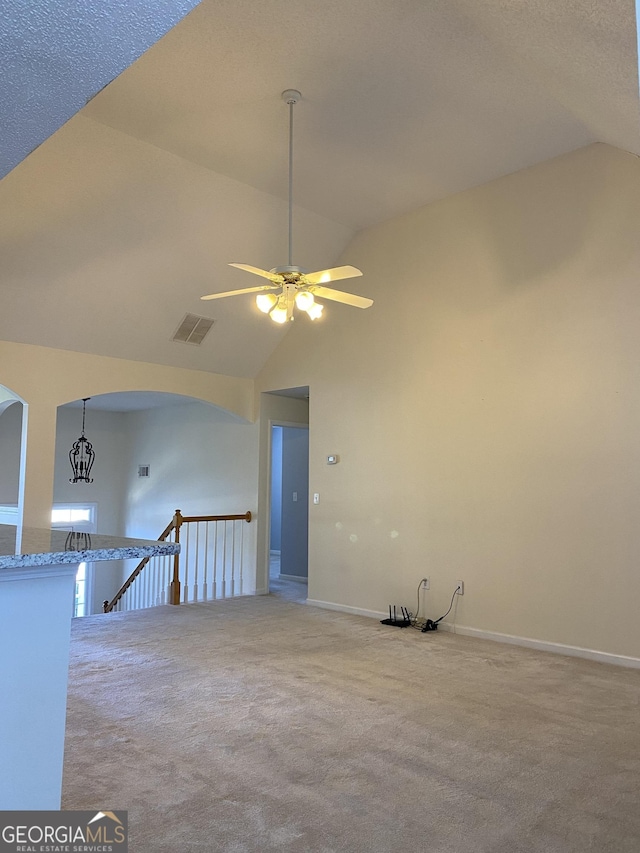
[[315, 311], [304, 300], [279, 314], [266, 301]]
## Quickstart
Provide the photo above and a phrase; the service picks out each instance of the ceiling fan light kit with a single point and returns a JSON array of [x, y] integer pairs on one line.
[[266, 301], [291, 286]]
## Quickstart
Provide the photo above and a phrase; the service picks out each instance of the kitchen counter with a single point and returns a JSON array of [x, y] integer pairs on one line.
[[37, 584], [31, 546]]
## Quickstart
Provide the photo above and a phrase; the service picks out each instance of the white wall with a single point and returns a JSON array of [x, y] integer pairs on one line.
[[203, 461], [486, 409]]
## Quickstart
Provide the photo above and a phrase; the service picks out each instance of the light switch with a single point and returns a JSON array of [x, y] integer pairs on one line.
[[316, 498], [295, 497]]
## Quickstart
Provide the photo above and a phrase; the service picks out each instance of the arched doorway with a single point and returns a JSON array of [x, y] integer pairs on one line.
[[13, 454]]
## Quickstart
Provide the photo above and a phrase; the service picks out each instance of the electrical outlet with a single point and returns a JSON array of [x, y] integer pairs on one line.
[[459, 587], [425, 583]]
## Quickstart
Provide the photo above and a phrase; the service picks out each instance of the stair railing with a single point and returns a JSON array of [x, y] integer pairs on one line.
[[212, 554]]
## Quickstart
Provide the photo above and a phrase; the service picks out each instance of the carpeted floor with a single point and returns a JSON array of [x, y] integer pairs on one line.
[[291, 590], [261, 724]]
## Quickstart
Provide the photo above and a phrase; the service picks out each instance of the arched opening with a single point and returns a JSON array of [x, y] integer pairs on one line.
[[13, 456], [155, 453]]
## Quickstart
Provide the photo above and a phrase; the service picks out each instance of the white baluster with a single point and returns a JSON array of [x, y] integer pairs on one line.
[[185, 596], [214, 586], [206, 560], [195, 570]]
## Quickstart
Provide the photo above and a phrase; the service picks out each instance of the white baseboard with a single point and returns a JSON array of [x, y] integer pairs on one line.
[[297, 578], [344, 608], [544, 646], [525, 642]]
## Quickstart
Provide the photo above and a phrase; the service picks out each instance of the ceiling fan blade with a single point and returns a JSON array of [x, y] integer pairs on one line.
[[324, 276], [244, 290], [275, 277], [341, 296]]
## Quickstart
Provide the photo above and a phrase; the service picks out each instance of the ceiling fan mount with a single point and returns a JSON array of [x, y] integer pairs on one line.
[[292, 285], [291, 96], [289, 270]]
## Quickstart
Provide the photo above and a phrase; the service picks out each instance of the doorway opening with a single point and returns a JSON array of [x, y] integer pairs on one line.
[[13, 456], [289, 523]]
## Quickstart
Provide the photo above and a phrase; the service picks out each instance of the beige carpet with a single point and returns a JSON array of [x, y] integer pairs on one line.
[[260, 724]]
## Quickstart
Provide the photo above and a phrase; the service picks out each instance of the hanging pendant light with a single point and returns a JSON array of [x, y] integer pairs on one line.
[[82, 454]]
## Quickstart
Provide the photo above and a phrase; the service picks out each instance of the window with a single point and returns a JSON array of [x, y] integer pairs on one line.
[[80, 518], [69, 515]]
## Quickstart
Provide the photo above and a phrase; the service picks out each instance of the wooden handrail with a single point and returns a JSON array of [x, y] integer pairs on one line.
[[107, 606], [246, 516], [175, 524]]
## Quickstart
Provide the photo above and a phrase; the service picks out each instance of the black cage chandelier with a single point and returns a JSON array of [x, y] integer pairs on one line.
[[82, 454]]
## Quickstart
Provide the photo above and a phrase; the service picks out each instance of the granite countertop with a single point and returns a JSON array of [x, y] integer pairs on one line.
[[39, 547]]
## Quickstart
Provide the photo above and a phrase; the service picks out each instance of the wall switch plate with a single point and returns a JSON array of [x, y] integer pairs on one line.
[[316, 498], [295, 497]]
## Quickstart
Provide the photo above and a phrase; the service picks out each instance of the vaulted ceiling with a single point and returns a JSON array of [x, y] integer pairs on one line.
[[119, 221]]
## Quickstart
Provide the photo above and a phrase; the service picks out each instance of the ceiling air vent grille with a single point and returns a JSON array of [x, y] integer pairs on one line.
[[193, 329]]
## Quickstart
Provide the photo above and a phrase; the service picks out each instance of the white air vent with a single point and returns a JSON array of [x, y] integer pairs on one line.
[[193, 329], [143, 470]]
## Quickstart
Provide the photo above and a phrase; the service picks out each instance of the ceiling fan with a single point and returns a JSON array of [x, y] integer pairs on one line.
[[291, 285]]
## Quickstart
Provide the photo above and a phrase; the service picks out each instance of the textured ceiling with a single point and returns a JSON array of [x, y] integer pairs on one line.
[[134, 208], [55, 55]]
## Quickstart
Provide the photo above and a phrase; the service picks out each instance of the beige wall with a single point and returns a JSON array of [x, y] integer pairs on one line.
[[46, 378], [486, 409]]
